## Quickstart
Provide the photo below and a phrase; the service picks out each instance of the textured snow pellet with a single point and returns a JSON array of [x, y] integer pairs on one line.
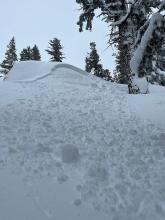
[[70, 153], [77, 202]]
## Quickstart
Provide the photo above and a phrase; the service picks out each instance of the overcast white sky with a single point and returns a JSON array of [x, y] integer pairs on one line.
[[38, 21]]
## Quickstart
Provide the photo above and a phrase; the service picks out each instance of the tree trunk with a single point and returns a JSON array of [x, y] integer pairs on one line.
[[124, 54]]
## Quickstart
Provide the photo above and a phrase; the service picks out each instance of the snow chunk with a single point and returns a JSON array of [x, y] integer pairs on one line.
[[142, 84], [70, 153]]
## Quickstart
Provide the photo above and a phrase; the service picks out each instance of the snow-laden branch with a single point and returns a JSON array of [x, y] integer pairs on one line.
[[155, 21], [140, 32], [130, 5], [162, 6], [123, 19]]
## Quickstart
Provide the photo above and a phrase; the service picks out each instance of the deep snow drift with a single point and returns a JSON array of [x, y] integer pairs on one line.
[[73, 146]]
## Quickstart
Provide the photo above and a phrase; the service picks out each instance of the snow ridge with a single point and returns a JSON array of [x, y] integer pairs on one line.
[[55, 67]]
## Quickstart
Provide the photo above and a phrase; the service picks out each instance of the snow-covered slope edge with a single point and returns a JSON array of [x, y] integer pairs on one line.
[[30, 71]]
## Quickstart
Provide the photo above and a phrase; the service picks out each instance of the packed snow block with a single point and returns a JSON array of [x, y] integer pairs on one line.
[[70, 153]]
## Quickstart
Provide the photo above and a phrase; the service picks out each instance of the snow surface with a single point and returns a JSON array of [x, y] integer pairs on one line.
[[73, 146]]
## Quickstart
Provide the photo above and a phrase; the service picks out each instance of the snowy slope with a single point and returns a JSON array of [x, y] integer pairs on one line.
[[73, 146]]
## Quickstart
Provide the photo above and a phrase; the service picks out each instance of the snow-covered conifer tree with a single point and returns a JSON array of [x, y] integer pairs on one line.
[[93, 65], [107, 75], [26, 54], [113, 12], [10, 57], [92, 60], [35, 53], [130, 23], [55, 50], [30, 54]]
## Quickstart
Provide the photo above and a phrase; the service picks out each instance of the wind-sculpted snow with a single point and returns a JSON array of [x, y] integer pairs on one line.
[[32, 71], [115, 159]]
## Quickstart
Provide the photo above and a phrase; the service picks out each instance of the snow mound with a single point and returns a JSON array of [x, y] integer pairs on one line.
[[30, 71]]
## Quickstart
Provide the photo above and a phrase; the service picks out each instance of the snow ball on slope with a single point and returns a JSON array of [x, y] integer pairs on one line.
[[70, 153], [77, 202]]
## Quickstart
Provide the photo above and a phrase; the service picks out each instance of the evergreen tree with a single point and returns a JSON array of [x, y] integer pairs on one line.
[[26, 54], [35, 53], [99, 71], [55, 50], [92, 60], [30, 54], [130, 22], [106, 74], [113, 12], [10, 57], [93, 64]]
